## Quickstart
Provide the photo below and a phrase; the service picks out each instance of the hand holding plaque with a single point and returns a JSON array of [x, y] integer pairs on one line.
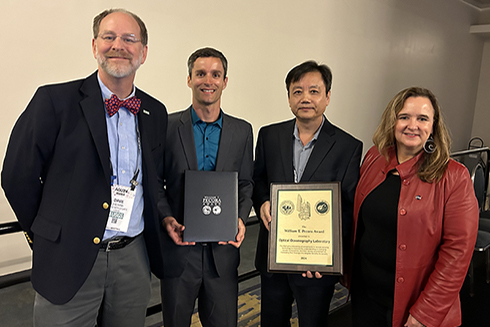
[[306, 228], [175, 230]]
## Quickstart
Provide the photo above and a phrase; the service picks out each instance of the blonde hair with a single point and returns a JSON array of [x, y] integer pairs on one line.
[[432, 166]]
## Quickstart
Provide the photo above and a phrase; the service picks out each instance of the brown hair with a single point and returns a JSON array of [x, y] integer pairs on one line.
[[105, 13], [207, 53]]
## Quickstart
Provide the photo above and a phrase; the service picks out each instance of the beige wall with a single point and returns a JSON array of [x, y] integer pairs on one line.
[[374, 48], [481, 121], [481, 117]]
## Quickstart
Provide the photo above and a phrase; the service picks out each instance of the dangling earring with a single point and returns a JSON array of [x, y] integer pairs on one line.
[[430, 145]]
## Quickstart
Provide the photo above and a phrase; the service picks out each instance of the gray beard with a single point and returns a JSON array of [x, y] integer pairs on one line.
[[115, 70]]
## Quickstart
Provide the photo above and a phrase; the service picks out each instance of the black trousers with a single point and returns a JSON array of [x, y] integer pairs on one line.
[[367, 312], [312, 299], [217, 295]]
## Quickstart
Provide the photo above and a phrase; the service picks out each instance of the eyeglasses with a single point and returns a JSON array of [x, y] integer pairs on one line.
[[128, 39]]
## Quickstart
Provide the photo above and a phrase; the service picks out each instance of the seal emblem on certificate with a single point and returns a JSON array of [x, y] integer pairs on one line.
[[306, 228], [287, 207]]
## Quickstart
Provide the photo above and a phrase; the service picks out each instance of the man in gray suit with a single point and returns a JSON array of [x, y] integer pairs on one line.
[[203, 137]]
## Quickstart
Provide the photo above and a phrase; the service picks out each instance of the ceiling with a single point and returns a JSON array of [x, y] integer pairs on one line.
[[480, 4]]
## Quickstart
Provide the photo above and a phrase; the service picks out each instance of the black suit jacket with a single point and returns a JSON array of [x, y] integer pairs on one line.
[[235, 153], [56, 176], [335, 157]]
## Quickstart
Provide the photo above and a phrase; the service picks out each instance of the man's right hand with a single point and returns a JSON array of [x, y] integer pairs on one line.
[[174, 230], [265, 214]]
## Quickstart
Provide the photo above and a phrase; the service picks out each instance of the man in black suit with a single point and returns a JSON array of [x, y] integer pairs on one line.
[[81, 175], [306, 149], [203, 137]]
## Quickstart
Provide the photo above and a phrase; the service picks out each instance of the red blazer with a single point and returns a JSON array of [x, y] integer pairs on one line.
[[437, 229]]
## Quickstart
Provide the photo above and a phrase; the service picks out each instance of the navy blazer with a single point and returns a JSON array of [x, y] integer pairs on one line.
[[56, 176], [235, 153], [335, 157]]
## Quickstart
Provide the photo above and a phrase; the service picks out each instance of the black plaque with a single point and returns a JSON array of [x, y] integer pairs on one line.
[[210, 206]]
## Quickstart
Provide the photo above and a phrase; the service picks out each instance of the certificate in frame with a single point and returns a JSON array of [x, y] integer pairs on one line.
[[306, 228]]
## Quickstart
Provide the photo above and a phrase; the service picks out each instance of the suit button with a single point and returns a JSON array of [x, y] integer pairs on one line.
[[96, 240], [403, 212], [406, 182], [403, 247], [400, 280], [105, 205]]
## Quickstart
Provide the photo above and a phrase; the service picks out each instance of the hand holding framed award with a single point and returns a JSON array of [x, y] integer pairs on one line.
[[306, 228]]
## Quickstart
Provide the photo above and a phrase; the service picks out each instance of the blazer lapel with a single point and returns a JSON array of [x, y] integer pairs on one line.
[[144, 116], [286, 151], [93, 109], [325, 141], [226, 139], [186, 135]]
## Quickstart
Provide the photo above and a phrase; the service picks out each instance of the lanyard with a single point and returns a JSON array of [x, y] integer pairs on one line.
[[133, 181]]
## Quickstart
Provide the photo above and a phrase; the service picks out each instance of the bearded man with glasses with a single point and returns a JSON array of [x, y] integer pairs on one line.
[[78, 161]]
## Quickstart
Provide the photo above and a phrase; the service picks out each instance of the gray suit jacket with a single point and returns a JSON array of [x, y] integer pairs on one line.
[[235, 153]]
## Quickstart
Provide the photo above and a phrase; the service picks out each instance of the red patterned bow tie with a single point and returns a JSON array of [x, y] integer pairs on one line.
[[113, 104]]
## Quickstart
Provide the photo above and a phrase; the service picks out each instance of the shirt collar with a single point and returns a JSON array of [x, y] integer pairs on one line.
[[315, 137], [196, 119], [106, 93]]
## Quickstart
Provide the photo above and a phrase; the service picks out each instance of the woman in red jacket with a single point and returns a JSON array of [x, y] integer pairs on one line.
[[415, 220]]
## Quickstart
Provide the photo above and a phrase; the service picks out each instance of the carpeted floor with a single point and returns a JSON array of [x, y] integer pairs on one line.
[[16, 304], [16, 301], [249, 307]]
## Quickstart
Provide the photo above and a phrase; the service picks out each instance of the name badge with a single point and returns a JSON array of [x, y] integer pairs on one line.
[[121, 208]]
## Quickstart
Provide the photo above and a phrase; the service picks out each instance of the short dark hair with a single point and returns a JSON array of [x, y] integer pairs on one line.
[[206, 53], [309, 66], [105, 13]]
